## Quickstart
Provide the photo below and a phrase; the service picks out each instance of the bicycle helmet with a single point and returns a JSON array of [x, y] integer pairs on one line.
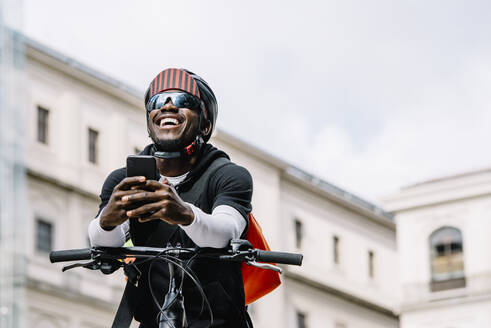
[[187, 81]]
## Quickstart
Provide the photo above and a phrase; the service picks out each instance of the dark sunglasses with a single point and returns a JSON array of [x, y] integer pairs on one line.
[[179, 99]]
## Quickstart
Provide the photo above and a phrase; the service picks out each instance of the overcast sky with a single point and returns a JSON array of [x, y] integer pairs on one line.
[[369, 95]]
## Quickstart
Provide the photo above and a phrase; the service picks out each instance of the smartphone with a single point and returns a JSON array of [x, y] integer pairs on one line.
[[142, 165]]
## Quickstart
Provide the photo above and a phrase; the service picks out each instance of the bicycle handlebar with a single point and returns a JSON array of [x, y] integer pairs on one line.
[[279, 257], [124, 252], [70, 255]]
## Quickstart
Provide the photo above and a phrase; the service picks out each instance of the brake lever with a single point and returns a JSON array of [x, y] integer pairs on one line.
[[93, 265], [105, 267], [266, 266]]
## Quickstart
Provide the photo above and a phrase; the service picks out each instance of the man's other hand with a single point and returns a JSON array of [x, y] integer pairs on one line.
[[115, 211], [161, 203]]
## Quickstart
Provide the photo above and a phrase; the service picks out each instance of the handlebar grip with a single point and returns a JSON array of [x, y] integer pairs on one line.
[[70, 255], [279, 257]]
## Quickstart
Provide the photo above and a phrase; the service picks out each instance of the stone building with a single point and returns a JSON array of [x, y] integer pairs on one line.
[[82, 124], [443, 228]]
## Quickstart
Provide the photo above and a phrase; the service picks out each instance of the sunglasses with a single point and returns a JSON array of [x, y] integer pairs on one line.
[[179, 99]]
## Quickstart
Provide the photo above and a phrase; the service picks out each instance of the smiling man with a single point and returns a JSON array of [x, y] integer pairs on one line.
[[202, 199]]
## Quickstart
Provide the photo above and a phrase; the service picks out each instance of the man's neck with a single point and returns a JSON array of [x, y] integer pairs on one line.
[[173, 167]]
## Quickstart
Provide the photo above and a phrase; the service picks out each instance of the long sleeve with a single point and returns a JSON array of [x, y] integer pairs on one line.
[[112, 238], [216, 229]]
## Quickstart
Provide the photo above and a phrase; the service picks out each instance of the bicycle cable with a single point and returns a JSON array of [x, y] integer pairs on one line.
[[188, 272]]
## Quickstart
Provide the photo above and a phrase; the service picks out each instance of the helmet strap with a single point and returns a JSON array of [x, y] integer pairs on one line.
[[187, 151]]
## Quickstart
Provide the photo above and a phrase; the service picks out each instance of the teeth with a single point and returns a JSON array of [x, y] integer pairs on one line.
[[170, 120]]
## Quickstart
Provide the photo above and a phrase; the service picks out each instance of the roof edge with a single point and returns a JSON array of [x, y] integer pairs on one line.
[[447, 177], [83, 68], [290, 170]]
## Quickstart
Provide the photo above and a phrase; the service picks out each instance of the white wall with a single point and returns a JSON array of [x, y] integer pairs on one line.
[[357, 235], [459, 202], [325, 311]]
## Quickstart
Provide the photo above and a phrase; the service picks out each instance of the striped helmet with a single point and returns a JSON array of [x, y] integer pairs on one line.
[[187, 81]]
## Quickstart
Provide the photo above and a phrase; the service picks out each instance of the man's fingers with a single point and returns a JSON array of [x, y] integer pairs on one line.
[[151, 218], [144, 210], [128, 182], [141, 196], [120, 194], [152, 185]]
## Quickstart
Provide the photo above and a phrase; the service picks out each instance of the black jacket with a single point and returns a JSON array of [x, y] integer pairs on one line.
[[222, 282]]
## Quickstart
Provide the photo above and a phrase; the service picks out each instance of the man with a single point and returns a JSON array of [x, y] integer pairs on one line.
[[181, 115]]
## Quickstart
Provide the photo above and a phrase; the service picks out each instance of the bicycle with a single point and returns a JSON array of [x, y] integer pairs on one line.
[[172, 313]]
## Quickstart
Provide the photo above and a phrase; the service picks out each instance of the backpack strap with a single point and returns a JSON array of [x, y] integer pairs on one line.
[[132, 294], [127, 306]]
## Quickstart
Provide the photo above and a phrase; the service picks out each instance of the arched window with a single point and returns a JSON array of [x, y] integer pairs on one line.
[[447, 259]]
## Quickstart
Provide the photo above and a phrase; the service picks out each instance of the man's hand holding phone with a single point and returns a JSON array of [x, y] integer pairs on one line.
[[161, 202], [115, 211], [141, 196]]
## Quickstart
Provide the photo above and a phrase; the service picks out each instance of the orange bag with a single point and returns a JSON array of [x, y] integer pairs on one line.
[[257, 282]]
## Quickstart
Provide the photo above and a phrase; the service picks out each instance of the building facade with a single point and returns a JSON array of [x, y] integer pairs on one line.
[[81, 125], [443, 230]]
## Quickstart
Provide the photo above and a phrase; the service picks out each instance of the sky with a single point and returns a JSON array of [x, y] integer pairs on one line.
[[368, 95]]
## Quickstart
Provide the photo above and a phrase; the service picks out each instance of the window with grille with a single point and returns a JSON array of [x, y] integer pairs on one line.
[[447, 259], [298, 233], [42, 126], [93, 149], [371, 264], [44, 235], [301, 320], [335, 249]]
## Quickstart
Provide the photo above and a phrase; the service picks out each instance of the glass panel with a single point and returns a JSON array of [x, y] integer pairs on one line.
[[446, 235], [93, 135], [440, 250], [44, 236], [43, 116], [456, 247], [371, 269], [298, 233], [301, 320], [447, 260], [335, 248]]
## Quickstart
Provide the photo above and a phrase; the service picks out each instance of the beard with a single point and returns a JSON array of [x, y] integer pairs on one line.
[[169, 145], [175, 144]]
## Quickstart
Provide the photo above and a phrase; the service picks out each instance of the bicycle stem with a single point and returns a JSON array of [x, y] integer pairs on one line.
[[172, 312]]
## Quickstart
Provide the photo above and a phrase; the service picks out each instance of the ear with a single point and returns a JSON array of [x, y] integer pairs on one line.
[[205, 128]]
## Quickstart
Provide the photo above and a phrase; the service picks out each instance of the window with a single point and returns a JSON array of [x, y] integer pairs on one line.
[[44, 236], [298, 233], [93, 136], [371, 269], [301, 320], [42, 130], [447, 259], [335, 249]]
